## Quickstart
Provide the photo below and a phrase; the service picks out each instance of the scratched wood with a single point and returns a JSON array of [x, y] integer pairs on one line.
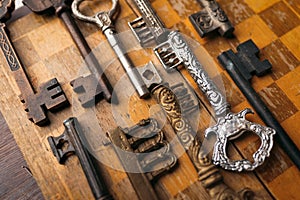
[[16, 180], [47, 51]]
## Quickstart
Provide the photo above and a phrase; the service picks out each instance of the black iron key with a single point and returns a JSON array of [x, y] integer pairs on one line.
[[50, 95], [242, 66], [72, 142], [90, 88]]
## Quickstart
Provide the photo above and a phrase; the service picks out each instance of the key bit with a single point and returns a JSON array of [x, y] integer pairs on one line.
[[247, 61], [152, 153], [91, 88], [72, 142], [210, 19], [50, 95]]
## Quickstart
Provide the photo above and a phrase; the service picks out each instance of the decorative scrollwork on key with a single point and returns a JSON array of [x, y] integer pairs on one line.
[[183, 52], [168, 101], [7, 50], [231, 127]]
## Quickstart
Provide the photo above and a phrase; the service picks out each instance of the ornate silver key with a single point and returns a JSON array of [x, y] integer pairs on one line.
[[104, 20], [175, 52]]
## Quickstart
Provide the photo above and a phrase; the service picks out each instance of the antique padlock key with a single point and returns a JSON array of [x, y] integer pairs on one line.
[[50, 95]]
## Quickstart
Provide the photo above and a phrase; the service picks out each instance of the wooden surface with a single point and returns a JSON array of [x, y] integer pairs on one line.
[[16, 180], [47, 51]]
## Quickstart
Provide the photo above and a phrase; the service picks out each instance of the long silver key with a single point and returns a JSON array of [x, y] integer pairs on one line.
[[174, 52], [104, 20]]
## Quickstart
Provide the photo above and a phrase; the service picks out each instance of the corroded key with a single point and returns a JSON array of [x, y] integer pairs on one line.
[[91, 88], [50, 95]]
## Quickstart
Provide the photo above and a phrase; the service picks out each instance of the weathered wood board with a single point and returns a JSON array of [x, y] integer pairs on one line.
[[47, 50]]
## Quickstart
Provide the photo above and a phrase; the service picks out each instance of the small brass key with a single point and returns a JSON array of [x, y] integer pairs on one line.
[[50, 95]]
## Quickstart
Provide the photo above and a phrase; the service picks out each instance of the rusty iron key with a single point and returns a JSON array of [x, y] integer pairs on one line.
[[50, 95], [91, 88]]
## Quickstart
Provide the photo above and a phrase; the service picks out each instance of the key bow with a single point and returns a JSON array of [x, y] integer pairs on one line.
[[102, 18], [233, 126]]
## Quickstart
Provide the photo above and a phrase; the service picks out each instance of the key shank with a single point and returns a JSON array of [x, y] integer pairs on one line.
[[176, 45], [127, 64], [50, 96]]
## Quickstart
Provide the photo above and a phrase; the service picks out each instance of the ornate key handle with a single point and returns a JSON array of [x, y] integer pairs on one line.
[[229, 126], [103, 18], [233, 126]]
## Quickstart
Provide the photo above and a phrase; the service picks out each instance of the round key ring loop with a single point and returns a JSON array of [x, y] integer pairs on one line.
[[102, 18]]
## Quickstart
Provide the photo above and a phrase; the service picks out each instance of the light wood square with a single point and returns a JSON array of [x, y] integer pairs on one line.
[[260, 5], [292, 41], [255, 28]]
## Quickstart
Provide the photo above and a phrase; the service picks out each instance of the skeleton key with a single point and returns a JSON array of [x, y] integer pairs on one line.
[[104, 21], [50, 95], [208, 174], [90, 88], [71, 142], [152, 156], [242, 66], [210, 19], [175, 52]]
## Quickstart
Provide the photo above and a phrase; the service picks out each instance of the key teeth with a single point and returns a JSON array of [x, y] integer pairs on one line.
[[89, 90], [142, 32], [167, 56]]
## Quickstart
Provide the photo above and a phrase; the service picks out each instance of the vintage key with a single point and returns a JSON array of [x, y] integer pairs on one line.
[[50, 95], [175, 52], [104, 20], [242, 66], [91, 88], [208, 174], [71, 142], [210, 19], [152, 156]]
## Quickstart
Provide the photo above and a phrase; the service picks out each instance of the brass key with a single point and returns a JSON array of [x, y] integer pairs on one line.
[[50, 95]]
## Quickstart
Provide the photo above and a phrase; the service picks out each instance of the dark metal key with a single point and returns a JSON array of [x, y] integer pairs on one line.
[[70, 142], [50, 95], [90, 88], [211, 18], [242, 66]]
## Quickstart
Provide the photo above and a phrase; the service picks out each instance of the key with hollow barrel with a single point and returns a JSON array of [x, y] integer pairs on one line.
[[91, 88], [49, 96], [104, 20]]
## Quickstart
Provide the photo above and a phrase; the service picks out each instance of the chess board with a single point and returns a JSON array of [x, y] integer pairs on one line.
[[47, 51]]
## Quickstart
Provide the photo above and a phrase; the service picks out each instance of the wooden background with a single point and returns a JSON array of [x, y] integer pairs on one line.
[[47, 51]]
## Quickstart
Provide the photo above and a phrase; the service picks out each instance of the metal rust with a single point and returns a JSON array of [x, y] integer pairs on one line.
[[209, 174], [91, 88], [49, 96], [144, 154], [212, 18], [72, 142]]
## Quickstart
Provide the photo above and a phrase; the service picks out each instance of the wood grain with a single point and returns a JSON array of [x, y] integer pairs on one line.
[[47, 51]]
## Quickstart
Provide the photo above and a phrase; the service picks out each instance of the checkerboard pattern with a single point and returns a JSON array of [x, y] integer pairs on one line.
[[47, 50]]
